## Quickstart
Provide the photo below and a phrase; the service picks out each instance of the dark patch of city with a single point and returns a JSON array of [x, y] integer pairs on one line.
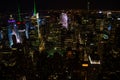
[[60, 45]]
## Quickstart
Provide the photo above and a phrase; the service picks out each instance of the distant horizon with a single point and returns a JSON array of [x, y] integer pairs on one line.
[[27, 5]]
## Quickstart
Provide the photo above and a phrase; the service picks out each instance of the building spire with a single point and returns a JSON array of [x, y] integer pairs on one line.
[[35, 8], [19, 15]]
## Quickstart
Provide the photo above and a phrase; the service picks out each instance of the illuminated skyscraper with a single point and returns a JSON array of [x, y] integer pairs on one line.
[[64, 20], [12, 30]]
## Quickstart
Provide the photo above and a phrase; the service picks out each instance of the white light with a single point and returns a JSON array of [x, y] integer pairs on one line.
[[37, 15], [93, 62], [109, 12], [55, 48], [11, 16], [118, 18], [15, 25], [100, 12], [39, 20]]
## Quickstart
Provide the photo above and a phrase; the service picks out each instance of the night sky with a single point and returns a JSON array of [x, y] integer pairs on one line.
[[27, 5]]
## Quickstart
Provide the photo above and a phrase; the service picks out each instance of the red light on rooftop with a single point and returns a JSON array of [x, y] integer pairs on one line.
[[18, 23]]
